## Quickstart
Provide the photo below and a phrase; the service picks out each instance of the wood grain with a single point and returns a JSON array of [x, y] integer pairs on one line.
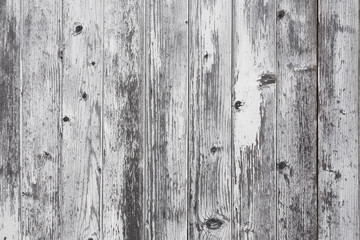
[[40, 119], [166, 120], [297, 119], [82, 119], [10, 41], [338, 119], [210, 120], [254, 120], [123, 119]]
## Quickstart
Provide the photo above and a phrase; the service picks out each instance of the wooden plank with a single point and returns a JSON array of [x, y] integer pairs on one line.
[[338, 119], [10, 119], [254, 120], [210, 119], [123, 119], [166, 120], [41, 127], [82, 119], [297, 119]]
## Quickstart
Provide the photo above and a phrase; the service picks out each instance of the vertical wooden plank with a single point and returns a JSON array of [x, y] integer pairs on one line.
[[123, 119], [82, 119], [166, 119], [41, 128], [10, 23], [338, 119], [254, 119], [297, 119], [210, 119]]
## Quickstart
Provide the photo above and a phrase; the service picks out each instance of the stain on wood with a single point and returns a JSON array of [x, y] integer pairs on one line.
[[123, 132], [10, 198], [179, 120], [296, 127]]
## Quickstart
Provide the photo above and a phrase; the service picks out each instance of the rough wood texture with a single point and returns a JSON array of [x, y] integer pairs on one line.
[[169, 119], [166, 120], [123, 119], [254, 120], [41, 122], [297, 119], [210, 120], [338, 119], [82, 119], [10, 119]]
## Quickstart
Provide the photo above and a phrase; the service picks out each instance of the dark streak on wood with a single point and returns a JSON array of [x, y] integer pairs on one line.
[[10, 119]]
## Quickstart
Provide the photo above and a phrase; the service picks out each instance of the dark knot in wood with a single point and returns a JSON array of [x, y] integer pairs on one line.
[[213, 223], [281, 165]]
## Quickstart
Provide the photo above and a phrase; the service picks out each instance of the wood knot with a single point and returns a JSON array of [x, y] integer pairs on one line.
[[238, 105], [66, 119], [281, 14], [215, 149], [78, 29], [213, 223], [281, 165]]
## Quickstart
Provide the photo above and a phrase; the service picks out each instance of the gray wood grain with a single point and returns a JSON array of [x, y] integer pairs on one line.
[[297, 119], [81, 182], [40, 119], [254, 120], [123, 119], [210, 120], [10, 119], [338, 119], [166, 120]]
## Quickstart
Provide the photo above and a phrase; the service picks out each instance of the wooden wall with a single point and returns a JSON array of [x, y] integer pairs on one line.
[[207, 119]]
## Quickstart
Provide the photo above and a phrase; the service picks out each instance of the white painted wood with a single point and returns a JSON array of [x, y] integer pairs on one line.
[[210, 120], [254, 120], [166, 120], [81, 179], [40, 119]]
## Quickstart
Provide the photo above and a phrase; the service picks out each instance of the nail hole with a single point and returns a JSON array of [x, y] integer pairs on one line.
[[84, 96], [93, 63], [281, 14], [213, 223], [281, 165], [186, 22], [99, 169], [238, 105], [78, 29], [206, 56], [66, 119]]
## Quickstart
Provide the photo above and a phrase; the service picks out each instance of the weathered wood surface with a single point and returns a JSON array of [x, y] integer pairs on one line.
[[179, 120], [123, 119], [166, 105], [210, 120], [254, 119], [81, 167], [296, 146], [41, 72], [338, 120], [10, 119]]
